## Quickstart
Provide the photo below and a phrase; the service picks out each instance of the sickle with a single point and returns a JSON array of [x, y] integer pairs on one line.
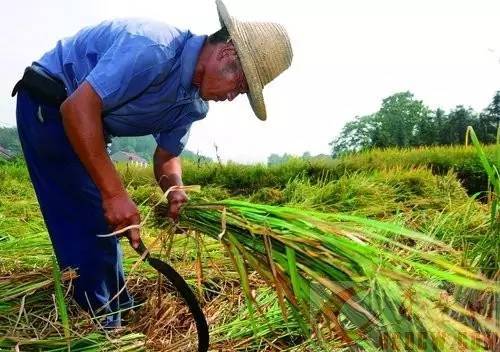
[[185, 291]]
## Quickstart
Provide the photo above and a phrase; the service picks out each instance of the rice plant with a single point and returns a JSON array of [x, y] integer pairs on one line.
[[362, 276], [327, 281]]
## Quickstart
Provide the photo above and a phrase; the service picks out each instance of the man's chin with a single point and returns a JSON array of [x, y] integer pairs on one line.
[[209, 98], [205, 96]]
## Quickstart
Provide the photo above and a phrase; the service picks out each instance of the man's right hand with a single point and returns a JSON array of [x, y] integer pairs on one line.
[[120, 211]]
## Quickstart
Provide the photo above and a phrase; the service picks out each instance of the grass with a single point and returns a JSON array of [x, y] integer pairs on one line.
[[247, 179], [380, 193], [277, 270], [91, 342], [59, 298]]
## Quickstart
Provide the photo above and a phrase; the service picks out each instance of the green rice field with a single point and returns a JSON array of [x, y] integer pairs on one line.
[[385, 250]]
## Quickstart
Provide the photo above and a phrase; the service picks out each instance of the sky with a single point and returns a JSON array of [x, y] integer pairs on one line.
[[348, 56]]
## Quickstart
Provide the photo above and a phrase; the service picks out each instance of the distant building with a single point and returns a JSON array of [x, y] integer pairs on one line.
[[5, 153], [127, 157]]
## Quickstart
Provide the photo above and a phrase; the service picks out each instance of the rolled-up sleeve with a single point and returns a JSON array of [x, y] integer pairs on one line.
[[174, 141], [127, 69]]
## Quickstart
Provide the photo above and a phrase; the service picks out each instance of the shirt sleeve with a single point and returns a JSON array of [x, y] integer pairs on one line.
[[127, 69], [174, 141]]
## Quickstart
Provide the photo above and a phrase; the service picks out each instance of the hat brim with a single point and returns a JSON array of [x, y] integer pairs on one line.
[[243, 48]]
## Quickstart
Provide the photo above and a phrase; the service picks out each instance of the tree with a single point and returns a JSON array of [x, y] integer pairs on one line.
[[489, 120], [274, 159], [440, 122], [456, 125], [9, 139], [401, 121], [355, 136], [143, 146]]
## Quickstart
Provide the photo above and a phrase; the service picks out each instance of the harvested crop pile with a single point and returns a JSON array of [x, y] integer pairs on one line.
[[370, 282]]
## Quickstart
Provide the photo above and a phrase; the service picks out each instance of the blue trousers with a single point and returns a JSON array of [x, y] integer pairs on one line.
[[72, 210]]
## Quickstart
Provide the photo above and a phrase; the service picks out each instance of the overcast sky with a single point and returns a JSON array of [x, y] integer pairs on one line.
[[348, 56]]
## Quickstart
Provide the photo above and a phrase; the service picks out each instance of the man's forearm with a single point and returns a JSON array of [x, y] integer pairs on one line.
[[167, 168], [83, 126]]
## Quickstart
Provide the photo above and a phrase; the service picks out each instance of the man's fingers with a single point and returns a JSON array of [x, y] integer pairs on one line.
[[134, 238], [119, 227], [173, 215], [134, 234], [176, 201], [174, 210]]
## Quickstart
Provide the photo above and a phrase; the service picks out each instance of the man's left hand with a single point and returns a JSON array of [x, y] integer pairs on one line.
[[176, 200]]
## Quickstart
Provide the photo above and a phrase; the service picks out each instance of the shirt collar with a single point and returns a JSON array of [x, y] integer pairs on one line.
[[189, 58]]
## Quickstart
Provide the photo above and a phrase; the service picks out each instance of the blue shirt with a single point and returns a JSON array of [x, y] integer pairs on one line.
[[142, 70]]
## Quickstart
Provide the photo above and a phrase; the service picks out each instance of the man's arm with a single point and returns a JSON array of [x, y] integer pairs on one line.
[[82, 121], [168, 173]]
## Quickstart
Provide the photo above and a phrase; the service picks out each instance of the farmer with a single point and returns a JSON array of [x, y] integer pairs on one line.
[[127, 78]]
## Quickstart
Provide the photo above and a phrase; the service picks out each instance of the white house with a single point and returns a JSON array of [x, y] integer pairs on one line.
[[131, 158]]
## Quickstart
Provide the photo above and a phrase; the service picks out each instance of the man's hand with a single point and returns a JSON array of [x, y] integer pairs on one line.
[[120, 211], [168, 173], [176, 200]]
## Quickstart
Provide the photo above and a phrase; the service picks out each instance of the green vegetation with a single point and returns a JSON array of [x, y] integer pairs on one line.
[[10, 140], [384, 248], [347, 267], [143, 146], [247, 179], [403, 121]]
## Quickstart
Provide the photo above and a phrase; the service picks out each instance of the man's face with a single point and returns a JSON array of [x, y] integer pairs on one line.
[[223, 77]]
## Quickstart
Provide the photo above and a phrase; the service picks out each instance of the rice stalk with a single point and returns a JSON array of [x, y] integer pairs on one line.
[[61, 304], [90, 342], [361, 269]]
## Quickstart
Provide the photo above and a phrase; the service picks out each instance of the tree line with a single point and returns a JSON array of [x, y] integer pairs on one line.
[[143, 146], [10, 140], [276, 159], [403, 121]]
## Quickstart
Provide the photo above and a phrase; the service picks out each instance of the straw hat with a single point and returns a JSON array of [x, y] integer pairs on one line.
[[264, 51]]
